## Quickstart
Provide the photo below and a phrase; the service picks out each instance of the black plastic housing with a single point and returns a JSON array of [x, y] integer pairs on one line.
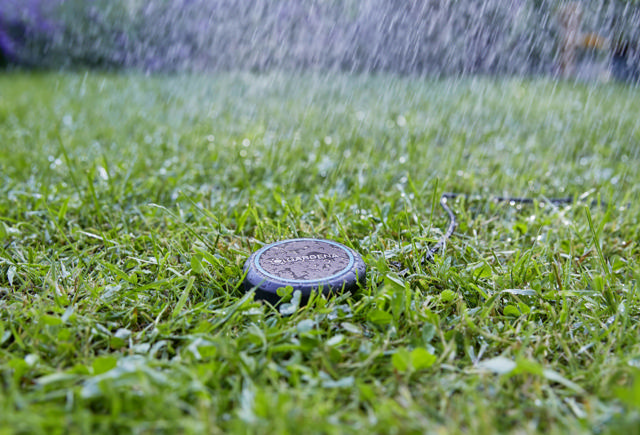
[[304, 264]]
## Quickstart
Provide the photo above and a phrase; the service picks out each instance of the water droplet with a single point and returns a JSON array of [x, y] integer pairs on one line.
[[243, 153], [211, 138], [402, 159], [401, 121], [55, 163], [246, 142], [102, 172], [328, 140]]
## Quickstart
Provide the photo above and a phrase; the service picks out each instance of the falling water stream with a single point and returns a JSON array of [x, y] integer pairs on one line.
[[584, 39], [459, 42]]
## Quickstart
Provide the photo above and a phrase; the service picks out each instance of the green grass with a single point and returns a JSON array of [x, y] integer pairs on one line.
[[128, 205]]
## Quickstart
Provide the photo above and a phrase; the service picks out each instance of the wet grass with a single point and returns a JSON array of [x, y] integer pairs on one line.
[[128, 205]]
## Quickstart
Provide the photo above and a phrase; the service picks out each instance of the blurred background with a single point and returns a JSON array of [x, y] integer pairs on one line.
[[590, 40]]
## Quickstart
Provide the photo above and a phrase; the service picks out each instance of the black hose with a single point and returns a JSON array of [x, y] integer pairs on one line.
[[453, 222]]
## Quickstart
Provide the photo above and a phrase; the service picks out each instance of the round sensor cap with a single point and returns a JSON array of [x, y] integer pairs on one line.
[[306, 265]]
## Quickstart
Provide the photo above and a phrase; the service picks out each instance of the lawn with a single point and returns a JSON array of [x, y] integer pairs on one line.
[[129, 203]]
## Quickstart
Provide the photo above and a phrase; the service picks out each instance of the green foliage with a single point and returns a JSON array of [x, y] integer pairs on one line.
[[128, 205]]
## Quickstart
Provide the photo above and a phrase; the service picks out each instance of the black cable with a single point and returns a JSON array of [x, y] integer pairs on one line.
[[453, 222]]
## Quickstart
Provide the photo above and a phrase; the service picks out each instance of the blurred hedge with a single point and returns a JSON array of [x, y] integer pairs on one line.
[[407, 36]]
